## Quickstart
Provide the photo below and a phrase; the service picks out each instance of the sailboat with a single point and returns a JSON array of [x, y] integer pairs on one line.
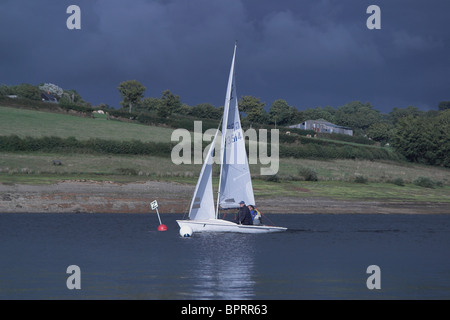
[[235, 184]]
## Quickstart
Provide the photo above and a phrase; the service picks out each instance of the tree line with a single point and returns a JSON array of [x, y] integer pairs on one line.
[[419, 136], [31, 92]]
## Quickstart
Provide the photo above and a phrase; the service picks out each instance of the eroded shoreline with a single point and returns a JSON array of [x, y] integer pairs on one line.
[[110, 197]]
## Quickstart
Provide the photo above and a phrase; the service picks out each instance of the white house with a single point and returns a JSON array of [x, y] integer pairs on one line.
[[324, 126]]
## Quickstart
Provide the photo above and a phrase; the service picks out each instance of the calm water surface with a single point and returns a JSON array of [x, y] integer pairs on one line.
[[320, 257]]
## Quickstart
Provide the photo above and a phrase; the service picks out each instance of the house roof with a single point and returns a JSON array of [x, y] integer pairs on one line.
[[323, 121]]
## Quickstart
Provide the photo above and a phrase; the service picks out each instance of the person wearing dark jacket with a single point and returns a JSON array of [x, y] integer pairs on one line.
[[244, 216]]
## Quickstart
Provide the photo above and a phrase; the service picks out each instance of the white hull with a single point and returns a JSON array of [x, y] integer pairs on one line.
[[219, 225]]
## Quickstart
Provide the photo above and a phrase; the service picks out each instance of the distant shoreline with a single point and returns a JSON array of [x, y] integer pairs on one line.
[[111, 197]]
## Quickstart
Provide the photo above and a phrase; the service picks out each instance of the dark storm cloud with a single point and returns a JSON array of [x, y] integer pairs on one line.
[[311, 53]]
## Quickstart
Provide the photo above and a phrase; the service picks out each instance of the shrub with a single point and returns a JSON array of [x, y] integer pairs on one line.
[[308, 174], [398, 182], [127, 171], [360, 179], [424, 182], [272, 178]]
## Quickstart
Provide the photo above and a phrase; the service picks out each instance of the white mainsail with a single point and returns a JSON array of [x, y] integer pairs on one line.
[[235, 180]]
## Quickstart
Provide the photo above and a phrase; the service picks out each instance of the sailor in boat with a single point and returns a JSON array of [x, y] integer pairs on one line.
[[243, 215], [256, 215]]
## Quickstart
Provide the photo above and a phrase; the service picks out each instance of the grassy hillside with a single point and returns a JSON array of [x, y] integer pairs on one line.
[[38, 125], [23, 122], [336, 177]]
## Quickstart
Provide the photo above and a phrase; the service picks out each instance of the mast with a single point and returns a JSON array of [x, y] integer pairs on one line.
[[224, 124]]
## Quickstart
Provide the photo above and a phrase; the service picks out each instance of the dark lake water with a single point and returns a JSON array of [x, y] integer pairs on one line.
[[123, 256]]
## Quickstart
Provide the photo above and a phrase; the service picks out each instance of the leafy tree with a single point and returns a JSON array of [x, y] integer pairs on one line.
[[330, 110], [27, 91], [205, 111], [169, 104], [319, 113], [424, 139], [396, 114], [444, 105], [380, 131], [4, 90], [281, 113], [254, 109], [73, 96], [441, 133], [407, 137], [150, 104], [132, 92], [185, 110], [357, 115], [296, 117]]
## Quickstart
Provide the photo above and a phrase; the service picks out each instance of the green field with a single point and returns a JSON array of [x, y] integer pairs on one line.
[[23, 122], [336, 177]]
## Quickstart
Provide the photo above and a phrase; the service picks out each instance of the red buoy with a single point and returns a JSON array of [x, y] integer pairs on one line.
[[162, 227]]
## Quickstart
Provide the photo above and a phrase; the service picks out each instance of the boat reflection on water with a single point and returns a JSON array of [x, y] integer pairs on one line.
[[225, 267]]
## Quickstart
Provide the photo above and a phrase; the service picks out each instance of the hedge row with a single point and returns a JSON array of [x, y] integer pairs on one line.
[[337, 152], [56, 144], [175, 121], [135, 147]]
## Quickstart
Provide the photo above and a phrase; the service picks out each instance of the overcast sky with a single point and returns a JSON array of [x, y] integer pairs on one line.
[[308, 52]]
